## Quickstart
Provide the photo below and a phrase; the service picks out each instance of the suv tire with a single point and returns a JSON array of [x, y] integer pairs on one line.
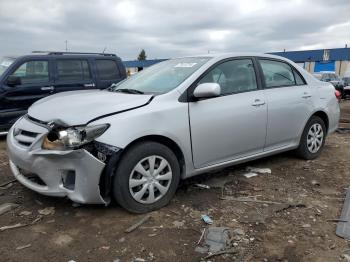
[[312, 139], [146, 178]]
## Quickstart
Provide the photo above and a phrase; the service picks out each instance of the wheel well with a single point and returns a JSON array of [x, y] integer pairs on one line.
[[165, 141], [324, 117]]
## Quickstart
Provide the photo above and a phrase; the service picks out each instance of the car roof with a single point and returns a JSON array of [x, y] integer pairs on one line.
[[238, 54], [67, 55]]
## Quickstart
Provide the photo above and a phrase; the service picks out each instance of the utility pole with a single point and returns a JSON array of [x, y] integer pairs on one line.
[[66, 45]]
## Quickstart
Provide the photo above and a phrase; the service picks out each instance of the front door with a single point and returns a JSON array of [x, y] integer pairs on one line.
[[232, 125], [35, 83]]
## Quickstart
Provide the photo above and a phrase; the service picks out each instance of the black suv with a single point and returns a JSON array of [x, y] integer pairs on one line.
[[26, 79]]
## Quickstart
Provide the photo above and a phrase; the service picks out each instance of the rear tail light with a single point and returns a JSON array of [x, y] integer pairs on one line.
[[337, 95]]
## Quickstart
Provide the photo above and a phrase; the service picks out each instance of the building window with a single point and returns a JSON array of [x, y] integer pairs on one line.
[[325, 55]]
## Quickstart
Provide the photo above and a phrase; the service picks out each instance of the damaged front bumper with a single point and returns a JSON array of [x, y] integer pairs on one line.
[[72, 173]]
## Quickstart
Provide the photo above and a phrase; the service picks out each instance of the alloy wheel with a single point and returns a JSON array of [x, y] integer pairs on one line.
[[315, 138]]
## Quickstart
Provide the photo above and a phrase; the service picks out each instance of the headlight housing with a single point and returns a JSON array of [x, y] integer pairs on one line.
[[72, 137]]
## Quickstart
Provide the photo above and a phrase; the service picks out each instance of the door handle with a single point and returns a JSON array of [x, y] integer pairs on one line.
[[258, 102], [47, 88], [306, 95], [89, 85]]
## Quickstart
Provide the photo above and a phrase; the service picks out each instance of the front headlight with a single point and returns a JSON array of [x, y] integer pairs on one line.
[[72, 137]]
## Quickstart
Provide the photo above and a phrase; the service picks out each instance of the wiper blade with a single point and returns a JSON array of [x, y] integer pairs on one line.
[[128, 91]]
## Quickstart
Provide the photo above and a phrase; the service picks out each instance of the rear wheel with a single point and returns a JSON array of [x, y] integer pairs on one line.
[[147, 177], [312, 139]]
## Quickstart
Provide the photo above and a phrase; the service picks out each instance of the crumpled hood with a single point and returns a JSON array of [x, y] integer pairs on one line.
[[79, 107]]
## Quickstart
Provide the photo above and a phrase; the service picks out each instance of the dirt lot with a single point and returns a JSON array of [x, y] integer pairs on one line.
[[298, 231]]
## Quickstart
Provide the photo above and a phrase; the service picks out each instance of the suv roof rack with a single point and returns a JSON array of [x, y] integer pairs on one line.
[[70, 53]]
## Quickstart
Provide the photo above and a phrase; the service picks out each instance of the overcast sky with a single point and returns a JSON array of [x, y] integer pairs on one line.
[[172, 28]]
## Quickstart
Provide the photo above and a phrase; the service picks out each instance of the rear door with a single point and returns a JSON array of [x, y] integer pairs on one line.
[[73, 74], [289, 103], [36, 82], [107, 73]]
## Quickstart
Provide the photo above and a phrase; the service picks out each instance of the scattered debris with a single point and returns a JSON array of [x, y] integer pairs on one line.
[[306, 226], [343, 130], [23, 247], [285, 206], [105, 248], [178, 223], [6, 207], [122, 239], [216, 239], [207, 219], [47, 211], [202, 186], [25, 213], [74, 204], [229, 251], [250, 174], [4, 185], [315, 183], [259, 170], [249, 199], [63, 239], [139, 223], [139, 260], [12, 226], [201, 237], [336, 220]]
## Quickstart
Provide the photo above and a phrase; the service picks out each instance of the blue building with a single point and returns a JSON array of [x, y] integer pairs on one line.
[[336, 60]]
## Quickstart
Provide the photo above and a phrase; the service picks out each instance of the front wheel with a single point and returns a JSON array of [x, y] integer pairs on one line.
[[312, 139], [147, 177]]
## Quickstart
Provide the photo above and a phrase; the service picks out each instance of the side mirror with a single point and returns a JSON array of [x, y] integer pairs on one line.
[[207, 90], [13, 81]]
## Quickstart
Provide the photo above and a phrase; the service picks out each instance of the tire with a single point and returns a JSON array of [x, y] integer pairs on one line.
[[134, 170], [305, 148]]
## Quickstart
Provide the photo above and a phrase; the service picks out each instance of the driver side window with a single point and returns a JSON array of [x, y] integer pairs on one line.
[[33, 72], [233, 76]]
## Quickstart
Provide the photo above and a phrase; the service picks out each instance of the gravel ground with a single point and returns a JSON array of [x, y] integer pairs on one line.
[[311, 193]]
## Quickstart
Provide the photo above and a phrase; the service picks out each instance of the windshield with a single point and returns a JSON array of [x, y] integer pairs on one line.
[[5, 62], [162, 77]]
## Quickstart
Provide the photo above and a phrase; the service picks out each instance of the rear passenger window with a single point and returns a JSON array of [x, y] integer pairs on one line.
[[73, 69], [277, 74], [233, 76], [107, 69]]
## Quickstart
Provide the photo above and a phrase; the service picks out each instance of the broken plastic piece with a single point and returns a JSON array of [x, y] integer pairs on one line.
[[259, 170], [207, 219], [202, 186], [343, 226], [250, 174]]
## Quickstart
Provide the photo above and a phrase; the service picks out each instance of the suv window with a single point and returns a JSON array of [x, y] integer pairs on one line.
[[33, 72], [73, 69], [233, 76], [277, 74], [107, 69]]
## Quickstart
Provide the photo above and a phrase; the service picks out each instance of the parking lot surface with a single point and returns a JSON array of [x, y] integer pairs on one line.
[[291, 217]]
